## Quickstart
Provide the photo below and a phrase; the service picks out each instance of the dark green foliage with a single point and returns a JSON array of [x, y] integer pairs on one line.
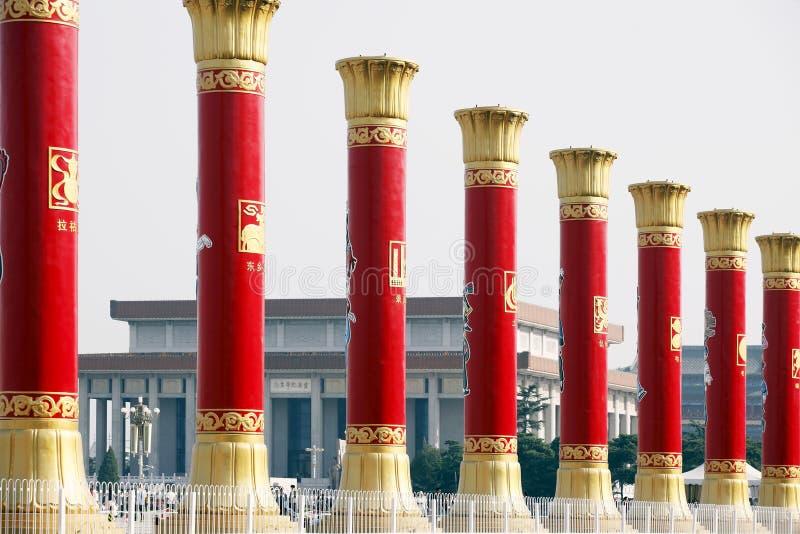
[[539, 465], [434, 469], [108, 469], [529, 403], [622, 452]]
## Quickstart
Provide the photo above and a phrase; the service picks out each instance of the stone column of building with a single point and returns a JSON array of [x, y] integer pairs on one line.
[[230, 49], [780, 470], [376, 107], [725, 241], [490, 466], [659, 220], [39, 436], [583, 187]]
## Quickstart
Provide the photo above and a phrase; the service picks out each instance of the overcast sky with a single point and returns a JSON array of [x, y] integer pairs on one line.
[[705, 93]]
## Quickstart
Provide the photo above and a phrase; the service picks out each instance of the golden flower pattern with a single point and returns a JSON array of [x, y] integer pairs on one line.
[[600, 315], [660, 240], [229, 421], [583, 453], [659, 459], [490, 444], [62, 11], [726, 263], [376, 136], [234, 80], [376, 435], [584, 211], [725, 466], [53, 405], [490, 178], [780, 471], [780, 282]]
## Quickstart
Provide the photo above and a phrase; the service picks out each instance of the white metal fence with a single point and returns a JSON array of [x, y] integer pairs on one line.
[[157, 507]]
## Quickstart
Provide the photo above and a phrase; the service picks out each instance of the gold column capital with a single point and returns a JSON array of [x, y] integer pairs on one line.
[[491, 133], [583, 172], [659, 204], [376, 87], [231, 29], [725, 231], [780, 253]]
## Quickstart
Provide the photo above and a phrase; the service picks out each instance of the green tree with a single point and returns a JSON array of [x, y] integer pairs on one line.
[[753, 453], [539, 465], [622, 452], [451, 466], [529, 403], [434, 468], [108, 469], [694, 446]]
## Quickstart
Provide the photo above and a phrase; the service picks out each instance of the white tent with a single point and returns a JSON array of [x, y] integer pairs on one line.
[[694, 480]]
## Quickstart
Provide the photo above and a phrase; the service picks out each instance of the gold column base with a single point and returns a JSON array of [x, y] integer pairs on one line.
[[585, 480], [46, 454], [779, 492], [665, 485], [43, 523], [385, 470], [728, 489], [231, 459], [496, 475], [213, 523]]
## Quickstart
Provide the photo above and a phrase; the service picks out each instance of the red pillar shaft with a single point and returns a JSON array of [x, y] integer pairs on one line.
[[38, 216], [727, 365], [230, 299], [583, 306], [376, 260], [659, 409]]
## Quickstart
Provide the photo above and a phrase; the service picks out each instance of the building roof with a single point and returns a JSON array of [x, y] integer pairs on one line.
[[143, 310], [315, 361]]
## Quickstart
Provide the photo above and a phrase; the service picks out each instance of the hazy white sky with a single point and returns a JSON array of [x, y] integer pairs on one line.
[[700, 92]]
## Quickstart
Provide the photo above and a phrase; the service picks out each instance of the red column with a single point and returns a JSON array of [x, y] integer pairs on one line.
[[725, 239], [780, 470], [491, 155], [376, 108], [231, 55], [39, 246], [659, 219], [583, 186]]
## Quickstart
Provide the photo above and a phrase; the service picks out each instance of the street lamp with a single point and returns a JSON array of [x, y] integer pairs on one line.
[[141, 420]]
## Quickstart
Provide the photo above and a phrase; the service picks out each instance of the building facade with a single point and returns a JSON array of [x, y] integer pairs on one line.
[[305, 379]]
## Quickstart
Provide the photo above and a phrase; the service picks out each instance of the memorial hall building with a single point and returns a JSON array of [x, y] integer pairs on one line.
[[305, 384]]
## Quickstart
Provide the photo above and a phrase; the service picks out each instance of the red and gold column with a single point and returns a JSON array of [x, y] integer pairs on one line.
[[490, 466], [39, 436], [583, 187], [230, 48], [376, 107], [725, 241], [659, 220], [780, 470]]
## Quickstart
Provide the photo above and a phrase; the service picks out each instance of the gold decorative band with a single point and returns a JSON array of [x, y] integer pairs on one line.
[[660, 240], [787, 283], [780, 471], [490, 444], [573, 212], [376, 434], [490, 178], [229, 421], [726, 263], [36, 404], [65, 12], [725, 466], [583, 453], [372, 135], [659, 459], [235, 80]]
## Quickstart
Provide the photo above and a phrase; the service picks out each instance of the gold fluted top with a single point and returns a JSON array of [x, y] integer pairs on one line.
[[491, 133], [659, 203], [231, 29], [780, 253], [583, 172], [725, 230], [376, 87]]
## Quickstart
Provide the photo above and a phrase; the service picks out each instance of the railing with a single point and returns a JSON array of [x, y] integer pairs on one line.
[[157, 507]]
